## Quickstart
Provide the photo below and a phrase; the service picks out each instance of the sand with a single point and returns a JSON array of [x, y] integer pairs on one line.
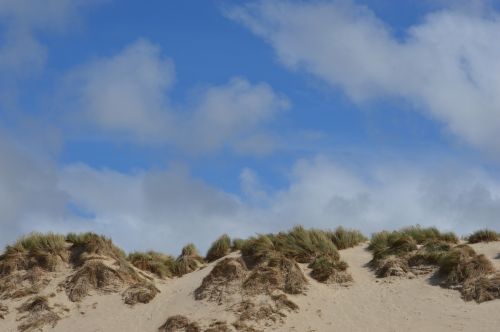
[[368, 304]]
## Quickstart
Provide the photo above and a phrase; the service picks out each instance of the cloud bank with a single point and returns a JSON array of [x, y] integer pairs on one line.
[[445, 66]]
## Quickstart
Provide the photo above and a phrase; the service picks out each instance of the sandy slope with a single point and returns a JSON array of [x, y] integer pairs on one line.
[[369, 304], [372, 304]]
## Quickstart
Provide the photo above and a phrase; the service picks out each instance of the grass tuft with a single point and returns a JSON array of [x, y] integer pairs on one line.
[[157, 263], [346, 238], [220, 248], [483, 235]]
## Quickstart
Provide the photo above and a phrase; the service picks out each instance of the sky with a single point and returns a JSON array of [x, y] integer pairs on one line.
[[160, 123]]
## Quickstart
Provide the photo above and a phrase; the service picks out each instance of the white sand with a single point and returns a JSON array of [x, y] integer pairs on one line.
[[369, 304]]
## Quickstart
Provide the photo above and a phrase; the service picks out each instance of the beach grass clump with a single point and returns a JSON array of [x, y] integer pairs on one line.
[[36, 314], [423, 234], [88, 245], [141, 292], [219, 248], [188, 261], [395, 243], [328, 270], [462, 264], [45, 251], [483, 235], [346, 238], [257, 249], [303, 245], [151, 261], [430, 253], [237, 244]]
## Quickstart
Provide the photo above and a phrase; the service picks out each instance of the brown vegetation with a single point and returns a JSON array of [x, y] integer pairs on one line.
[[179, 323], [37, 314], [141, 292]]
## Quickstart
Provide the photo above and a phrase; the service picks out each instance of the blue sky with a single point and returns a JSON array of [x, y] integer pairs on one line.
[[169, 122]]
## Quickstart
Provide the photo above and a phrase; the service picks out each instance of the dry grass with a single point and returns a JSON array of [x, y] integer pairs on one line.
[[141, 292], [482, 289], [223, 281], [179, 323], [36, 249], [96, 275], [391, 266], [279, 273], [37, 314], [188, 261], [483, 235], [327, 270], [462, 264], [4, 310], [220, 248], [159, 264], [90, 245]]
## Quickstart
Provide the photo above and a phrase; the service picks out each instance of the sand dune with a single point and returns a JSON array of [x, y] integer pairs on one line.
[[367, 304]]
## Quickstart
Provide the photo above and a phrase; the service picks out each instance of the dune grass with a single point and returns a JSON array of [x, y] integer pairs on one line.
[[325, 268], [87, 244], [157, 263], [483, 235], [188, 261], [346, 238], [35, 249], [304, 245], [237, 244], [219, 248]]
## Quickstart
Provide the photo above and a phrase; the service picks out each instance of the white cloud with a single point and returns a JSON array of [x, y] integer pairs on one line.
[[127, 96], [126, 93], [166, 208], [29, 197], [446, 65]]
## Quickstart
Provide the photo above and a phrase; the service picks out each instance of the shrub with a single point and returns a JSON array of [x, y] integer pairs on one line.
[[220, 248], [346, 238], [483, 235], [160, 264]]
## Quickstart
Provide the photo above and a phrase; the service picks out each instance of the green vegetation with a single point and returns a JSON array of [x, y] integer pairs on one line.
[[84, 245], [160, 264], [35, 249], [483, 235], [238, 244], [220, 248], [346, 238], [188, 261], [325, 268]]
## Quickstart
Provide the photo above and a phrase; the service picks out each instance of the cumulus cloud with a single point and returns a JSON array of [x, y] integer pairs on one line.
[[127, 95], [445, 65]]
